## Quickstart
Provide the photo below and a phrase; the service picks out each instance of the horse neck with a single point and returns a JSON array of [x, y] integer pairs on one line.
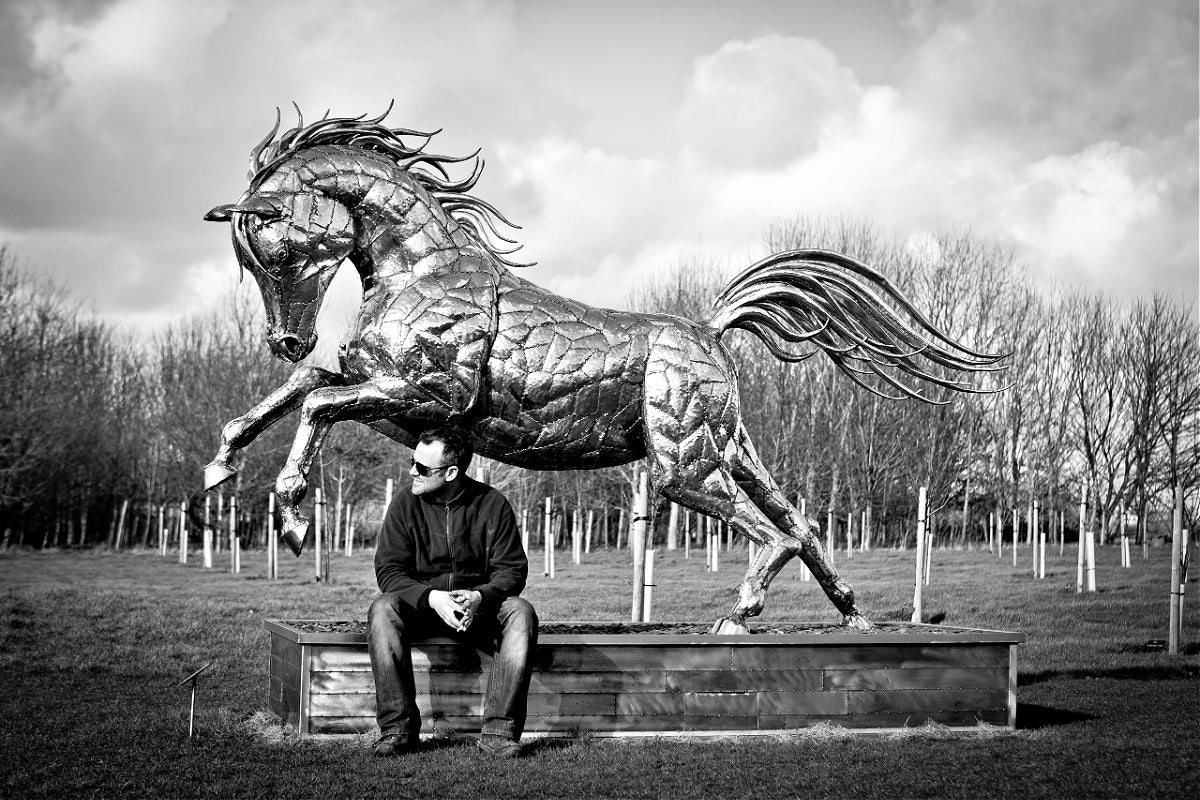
[[402, 234]]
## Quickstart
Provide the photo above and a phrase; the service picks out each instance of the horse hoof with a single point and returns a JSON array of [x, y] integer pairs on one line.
[[727, 627], [857, 621], [294, 539], [217, 473]]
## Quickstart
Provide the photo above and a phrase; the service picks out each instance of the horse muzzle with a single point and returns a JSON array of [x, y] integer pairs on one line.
[[290, 347]]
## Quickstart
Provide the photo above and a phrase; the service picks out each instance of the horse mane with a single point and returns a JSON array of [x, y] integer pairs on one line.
[[477, 216]]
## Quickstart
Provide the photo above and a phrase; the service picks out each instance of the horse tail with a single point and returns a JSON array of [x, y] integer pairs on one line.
[[830, 300]]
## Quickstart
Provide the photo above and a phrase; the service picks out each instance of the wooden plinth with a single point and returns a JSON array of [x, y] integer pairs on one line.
[[634, 683]]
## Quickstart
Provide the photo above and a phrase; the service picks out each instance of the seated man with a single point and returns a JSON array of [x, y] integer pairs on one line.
[[450, 563]]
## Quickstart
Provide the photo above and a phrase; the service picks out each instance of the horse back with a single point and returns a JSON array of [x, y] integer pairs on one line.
[[566, 380]]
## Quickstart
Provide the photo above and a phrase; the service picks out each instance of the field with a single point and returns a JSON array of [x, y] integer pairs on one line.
[[92, 645]]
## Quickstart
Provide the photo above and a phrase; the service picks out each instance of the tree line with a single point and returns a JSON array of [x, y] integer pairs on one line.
[[100, 429]]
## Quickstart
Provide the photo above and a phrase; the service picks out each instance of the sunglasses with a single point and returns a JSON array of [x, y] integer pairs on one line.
[[425, 471]]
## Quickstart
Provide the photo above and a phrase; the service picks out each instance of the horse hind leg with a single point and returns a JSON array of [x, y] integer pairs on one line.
[[691, 414], [720, 497], [800, 534]]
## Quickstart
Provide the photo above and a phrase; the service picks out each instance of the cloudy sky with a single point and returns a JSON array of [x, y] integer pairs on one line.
[[623, 136]]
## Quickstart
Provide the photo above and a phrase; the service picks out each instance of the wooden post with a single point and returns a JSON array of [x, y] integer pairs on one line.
[[928, 546], [120, 525], [805, 572], [1091, 559], [829, 526], [641, 512], [717, 548], [321, 550], [219, 524], [1040, 533], [576, 537], [1082, 543], [1043, 540], [316, 524], [1031, 521], [1175, 628], [1016, 530], [547, 541], [272, 540], [1145, 537], [999, 535], [919, 579], [648, 595], [208, 535], [687, 534], [183, 533], [673, 528], [235, 565], [849, 534], [326, 538], [338, 522], [1124, 539]]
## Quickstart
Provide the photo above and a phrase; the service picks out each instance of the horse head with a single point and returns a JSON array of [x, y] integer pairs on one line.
[[292, 241]]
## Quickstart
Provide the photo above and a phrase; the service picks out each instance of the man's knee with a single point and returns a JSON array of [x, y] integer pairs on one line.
[[517, 613], [385, 610]]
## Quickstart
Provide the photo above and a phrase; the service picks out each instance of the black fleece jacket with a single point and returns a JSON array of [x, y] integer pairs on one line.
[[470, 541]]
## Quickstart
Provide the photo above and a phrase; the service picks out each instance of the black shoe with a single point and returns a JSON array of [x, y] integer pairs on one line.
[[499, 746], [393, 744]]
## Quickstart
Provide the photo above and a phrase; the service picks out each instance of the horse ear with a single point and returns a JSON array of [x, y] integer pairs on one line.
[[220, 213], [265, 206]]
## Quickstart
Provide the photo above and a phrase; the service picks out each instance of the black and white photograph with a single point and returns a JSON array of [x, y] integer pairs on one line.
[[575, 399]]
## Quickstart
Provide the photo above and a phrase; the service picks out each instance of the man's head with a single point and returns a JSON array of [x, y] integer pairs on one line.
[[441, 456]]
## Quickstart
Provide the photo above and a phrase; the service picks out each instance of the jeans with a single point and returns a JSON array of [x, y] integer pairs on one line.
[[509, 633]]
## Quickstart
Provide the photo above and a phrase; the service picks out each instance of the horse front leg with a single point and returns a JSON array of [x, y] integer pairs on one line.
[[241, 431], [364, 402]]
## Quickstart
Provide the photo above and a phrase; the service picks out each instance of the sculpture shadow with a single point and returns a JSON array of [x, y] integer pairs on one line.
[[1032, 717], [1149, 672]]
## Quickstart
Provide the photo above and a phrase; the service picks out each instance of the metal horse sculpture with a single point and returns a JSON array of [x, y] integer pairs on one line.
[[446, 331]]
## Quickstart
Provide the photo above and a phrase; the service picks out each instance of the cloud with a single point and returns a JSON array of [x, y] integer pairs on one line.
[[764, 102], [1013, 123], [1044, 124], [1099, 217], [580, 205], [776, 128], [130, 121], [1048, 75], [1091, 109]]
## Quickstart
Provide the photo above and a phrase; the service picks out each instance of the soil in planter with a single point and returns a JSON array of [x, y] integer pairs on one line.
[[656, 628]]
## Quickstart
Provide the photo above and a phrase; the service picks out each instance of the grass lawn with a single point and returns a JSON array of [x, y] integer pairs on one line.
[[92, 643]]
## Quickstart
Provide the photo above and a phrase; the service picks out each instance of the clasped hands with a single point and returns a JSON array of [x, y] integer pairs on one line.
[[457, 608]]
